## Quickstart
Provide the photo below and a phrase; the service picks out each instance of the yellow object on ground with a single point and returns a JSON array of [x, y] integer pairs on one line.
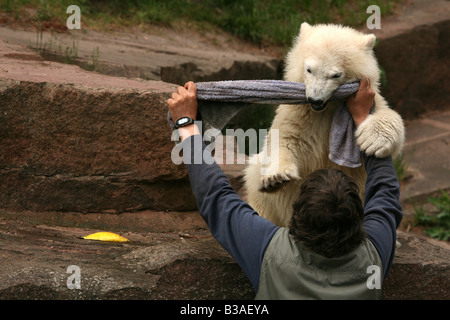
[[106, 236]]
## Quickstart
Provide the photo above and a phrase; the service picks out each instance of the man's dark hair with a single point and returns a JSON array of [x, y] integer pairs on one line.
[[328, 214]]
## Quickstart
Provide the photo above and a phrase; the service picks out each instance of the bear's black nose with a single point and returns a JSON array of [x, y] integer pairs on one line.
[[314, 101]]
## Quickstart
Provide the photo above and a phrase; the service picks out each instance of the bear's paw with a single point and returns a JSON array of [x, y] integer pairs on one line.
[[376, 138], [273, 181]]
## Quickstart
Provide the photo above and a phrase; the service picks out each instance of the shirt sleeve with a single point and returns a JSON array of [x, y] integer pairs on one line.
[[382, 209], [233, 223]]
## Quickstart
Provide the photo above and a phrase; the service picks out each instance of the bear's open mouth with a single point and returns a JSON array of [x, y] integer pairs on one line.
[[319, 107]]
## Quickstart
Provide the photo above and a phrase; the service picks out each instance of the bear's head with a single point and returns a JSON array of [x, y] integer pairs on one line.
[[324, 57]]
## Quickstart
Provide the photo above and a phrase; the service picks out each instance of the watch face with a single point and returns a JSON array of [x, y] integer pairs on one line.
[[183, 121]]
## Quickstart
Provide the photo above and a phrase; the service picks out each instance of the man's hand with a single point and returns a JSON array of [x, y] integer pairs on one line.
[[361, 102], [184, 104]]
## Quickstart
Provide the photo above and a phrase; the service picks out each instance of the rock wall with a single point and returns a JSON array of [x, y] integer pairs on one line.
[[35, 258], [72, 140], [420, 270], [416, 67], [413, 52]]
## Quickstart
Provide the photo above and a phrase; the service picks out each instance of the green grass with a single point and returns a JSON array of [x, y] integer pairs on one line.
[[436, 225], [269, 22], [56, 50]]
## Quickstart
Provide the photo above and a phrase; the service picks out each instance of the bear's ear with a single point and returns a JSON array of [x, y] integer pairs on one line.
[[369, 41], [304, 28]]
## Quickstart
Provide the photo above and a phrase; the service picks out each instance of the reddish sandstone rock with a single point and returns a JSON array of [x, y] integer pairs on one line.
[[73, 140], [413, 51]]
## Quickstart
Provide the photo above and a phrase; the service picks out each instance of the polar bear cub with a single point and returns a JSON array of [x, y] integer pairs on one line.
[[323, 57]]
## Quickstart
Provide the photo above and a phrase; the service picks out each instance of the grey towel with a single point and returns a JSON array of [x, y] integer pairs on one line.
[[263, 91], [343, 148]]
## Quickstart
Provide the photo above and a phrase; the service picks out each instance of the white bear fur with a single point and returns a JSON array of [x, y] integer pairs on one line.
[[325, 50]]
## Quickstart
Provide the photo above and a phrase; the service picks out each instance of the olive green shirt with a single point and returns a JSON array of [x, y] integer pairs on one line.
[[289, 271]]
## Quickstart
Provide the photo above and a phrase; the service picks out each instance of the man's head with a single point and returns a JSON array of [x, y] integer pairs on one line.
[[328, 214]]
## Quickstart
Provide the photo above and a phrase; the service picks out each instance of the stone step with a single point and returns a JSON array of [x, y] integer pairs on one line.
[[181, 265]]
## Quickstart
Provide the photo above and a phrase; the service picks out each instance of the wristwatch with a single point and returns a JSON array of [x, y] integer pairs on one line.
[[183, 122]]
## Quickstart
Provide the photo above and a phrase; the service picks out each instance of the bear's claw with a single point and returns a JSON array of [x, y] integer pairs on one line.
[[275, 181]]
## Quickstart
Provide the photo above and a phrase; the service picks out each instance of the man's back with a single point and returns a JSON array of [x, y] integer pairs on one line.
[[290, 271]]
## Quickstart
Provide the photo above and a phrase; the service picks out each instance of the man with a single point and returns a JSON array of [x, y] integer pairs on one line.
[[333, 249]]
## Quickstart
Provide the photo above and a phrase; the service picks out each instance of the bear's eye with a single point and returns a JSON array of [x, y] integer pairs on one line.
[[308, 69], [337, 75]]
